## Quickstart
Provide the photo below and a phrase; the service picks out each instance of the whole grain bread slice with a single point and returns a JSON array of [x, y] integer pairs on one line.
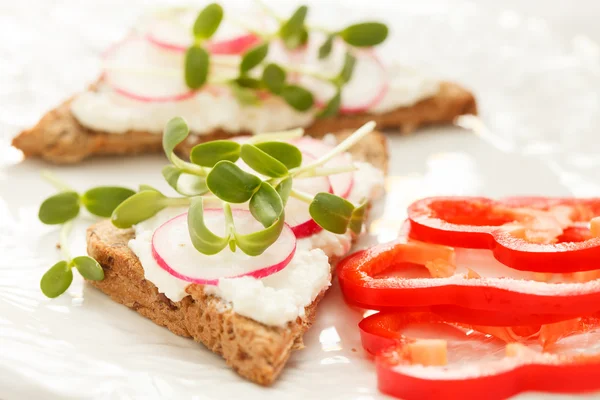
[[255, 351], [60, 138]]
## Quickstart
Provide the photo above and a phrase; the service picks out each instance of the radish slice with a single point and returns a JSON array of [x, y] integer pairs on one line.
[[296, 211], [366, 89], [138, 70], [174, 252], [341, 183], [175, 34]]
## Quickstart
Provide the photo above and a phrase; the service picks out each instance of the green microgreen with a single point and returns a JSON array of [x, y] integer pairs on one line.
[[59, 208], [143, 205], [230, 183], [366, 34], [62, 209], [253, 57], [197, 66], [326, 47], [213, 175], [103, 200], [297, 97], [208, 21], [261, 162], [294, 32], [203, 239], [273, 78], [284, 189], [266, 205], [288, 154], [243, 95], [331, 212]]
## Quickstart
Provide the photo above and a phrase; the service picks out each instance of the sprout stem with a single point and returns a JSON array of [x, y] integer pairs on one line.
[[187, 167], [326, 171], [178, 201], [280, 135], [340, 148], [308, 72], [56, 181], [65, 231], [305, 197], [268, 10]]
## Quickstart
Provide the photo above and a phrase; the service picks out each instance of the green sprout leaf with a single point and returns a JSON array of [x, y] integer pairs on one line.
[[184, 183], [332, 107], [365, 34], [176, 131], [266, 205], [196, 67], [326, 47], [209, 153], [262, 162], [205, 241], [229, 183], [103, 200], [254, 56], [248, 82], [331, 212], [138, 208], [143, 187], [88, 268], [358, 217], [288, 154], [244, 96], [293, 31], [59, 208], [254, 244], [284, 189], [56, 280], [348, 69], [273, 78], [297, 97], [208, 21]]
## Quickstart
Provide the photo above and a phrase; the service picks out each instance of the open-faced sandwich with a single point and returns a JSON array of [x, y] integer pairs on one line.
[[235, 76], [240, 259]]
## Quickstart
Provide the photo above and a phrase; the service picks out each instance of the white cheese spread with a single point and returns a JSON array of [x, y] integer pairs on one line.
[[278, 298]]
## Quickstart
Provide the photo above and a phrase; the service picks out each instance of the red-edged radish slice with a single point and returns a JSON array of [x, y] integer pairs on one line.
[[367, 87], [137, 70], [174, 33], [341, 183], [173, 251], [235, 45], [296, 211]]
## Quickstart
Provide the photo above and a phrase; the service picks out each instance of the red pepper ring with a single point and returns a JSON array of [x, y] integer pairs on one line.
[[356, 274], [523, 370], [476, 222]]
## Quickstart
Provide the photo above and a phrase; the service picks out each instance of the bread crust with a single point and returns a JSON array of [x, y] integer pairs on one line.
[[60, 138], [254, 350]]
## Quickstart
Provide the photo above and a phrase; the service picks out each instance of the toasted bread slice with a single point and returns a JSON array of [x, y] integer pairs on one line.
[[255, 351], [59, 138]]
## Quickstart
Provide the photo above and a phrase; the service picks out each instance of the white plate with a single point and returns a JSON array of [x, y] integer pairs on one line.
[[538, 96]]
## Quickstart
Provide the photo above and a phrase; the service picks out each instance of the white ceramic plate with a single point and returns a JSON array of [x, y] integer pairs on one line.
[[538, 96]]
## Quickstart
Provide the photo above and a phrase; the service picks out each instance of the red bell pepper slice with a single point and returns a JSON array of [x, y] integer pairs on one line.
[[523, 301], [561, 370], [482, 223]]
